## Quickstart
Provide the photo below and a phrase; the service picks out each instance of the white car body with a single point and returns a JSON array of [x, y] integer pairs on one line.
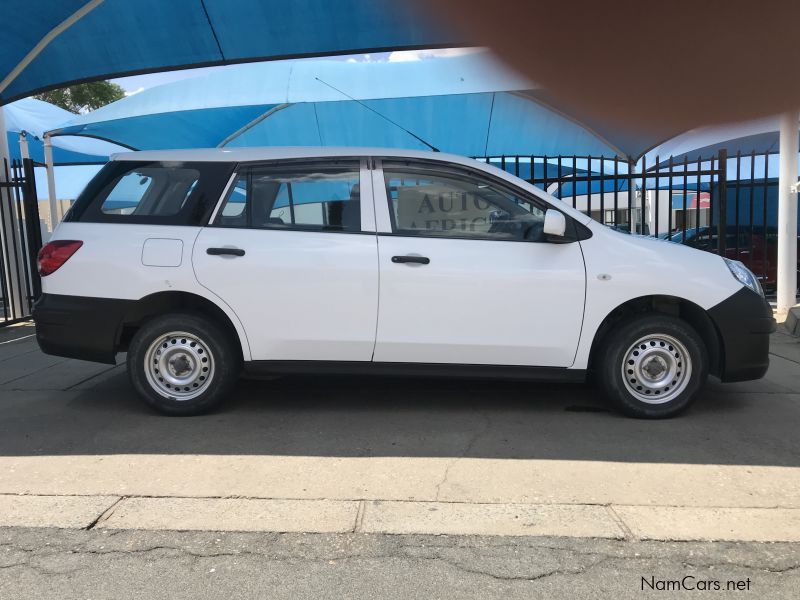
[[316, 296]]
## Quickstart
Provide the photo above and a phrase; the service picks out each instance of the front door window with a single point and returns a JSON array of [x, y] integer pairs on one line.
[[459, 205]]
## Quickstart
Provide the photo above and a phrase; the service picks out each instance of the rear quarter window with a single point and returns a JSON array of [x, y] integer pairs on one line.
[[168, 193], [151, 191]]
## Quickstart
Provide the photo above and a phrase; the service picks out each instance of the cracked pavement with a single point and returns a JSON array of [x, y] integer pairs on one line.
[[467, 449], [42, 563]]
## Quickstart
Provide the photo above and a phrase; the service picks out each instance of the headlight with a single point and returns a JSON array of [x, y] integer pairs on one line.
[[744, 275]]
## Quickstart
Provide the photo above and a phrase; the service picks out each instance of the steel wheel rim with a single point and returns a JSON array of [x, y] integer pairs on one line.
[[179, 365], [656, 368]]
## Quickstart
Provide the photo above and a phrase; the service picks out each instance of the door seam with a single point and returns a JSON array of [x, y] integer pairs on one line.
[[371, 169], [583, 312], [378, 304], [219, 299]]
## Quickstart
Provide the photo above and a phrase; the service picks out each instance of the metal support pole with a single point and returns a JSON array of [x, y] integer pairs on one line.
[[787, 213], [252, 124], [631, 195], [4, 153], [23, 145], [51, 183]]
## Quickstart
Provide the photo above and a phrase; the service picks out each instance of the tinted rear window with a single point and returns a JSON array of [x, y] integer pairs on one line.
[[174, 193], [151, 191]]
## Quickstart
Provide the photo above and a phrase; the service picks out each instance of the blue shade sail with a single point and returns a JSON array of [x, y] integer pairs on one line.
[[125, 37], [35, 118], [468, 105], [758, 136]]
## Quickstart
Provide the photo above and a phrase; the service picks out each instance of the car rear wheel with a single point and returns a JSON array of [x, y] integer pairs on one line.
[[653, 366], [182, 364]]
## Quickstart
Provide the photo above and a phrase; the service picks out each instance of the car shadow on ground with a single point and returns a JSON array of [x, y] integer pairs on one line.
[[408, 417]]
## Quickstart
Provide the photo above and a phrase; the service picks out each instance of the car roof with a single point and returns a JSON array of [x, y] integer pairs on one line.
[[286, 152]]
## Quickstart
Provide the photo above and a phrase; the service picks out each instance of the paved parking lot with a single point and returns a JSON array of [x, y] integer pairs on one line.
[[331, 487], [407, 456], [155, 565]]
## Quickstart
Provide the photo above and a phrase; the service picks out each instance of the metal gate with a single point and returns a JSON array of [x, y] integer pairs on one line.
[[20, 240], [666, 199], [722, 204]]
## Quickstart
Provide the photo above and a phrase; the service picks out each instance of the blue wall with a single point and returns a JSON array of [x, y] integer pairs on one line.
[[760, 192]]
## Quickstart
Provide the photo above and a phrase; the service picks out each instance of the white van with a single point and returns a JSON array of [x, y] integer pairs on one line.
[[203, 263]]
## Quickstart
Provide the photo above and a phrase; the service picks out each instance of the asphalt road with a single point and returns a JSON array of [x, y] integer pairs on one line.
[[390, 459], [82, 565]]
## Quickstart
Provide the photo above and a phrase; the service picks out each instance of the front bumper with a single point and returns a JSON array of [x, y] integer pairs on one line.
[[78, 326], [744, 322]]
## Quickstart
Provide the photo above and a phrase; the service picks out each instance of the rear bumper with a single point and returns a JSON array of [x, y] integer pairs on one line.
[[744, 322], [78, 326]]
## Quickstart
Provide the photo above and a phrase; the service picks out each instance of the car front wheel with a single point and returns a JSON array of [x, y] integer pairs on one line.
[[182, 364], [653, 366]]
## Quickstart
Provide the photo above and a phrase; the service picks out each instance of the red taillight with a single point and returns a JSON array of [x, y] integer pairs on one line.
[[55, 254]]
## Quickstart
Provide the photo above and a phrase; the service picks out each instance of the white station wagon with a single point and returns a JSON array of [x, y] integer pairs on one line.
[[203, 263]]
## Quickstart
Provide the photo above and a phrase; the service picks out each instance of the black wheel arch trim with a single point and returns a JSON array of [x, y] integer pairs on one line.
[[96, 329], [676, 306], [80, 327], [735, 331], [744, 323]]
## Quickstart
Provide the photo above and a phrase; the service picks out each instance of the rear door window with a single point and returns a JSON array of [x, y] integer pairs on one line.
[[308, 197]]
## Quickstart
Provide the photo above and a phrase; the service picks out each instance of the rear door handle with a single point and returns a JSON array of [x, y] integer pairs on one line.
[[421, 260], [225, 251]]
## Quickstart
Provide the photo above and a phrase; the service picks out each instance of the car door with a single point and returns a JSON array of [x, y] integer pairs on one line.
[[292, 250], [466, 275]]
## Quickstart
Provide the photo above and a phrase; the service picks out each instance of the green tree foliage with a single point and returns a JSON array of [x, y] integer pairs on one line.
[[84, 96]]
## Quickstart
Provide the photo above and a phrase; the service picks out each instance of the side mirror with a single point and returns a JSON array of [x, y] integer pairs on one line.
[[555, 224]]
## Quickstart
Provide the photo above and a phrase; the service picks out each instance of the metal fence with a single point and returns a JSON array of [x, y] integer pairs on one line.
[[722, 204], [20, 240]]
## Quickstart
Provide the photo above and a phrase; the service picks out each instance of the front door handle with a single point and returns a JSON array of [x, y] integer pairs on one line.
[[225, 251], [421, 260]]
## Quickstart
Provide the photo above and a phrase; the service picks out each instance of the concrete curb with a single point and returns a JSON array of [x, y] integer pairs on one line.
[[234, 514], [701, 523], [678, 523], [66, 512], [421, 479], [442, 518]]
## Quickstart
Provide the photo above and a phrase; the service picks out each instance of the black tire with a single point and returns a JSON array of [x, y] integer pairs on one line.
[[654, 358], [203, 336]]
